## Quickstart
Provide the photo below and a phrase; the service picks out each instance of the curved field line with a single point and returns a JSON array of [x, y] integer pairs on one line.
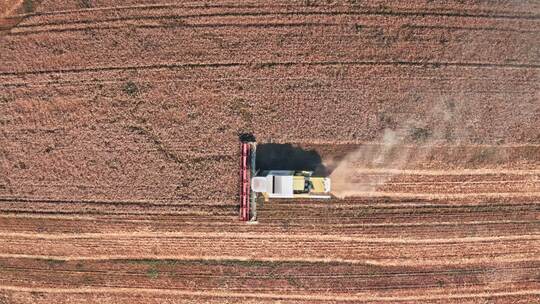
[[208, 25], [312, 297], [246, 25], [62, 236], [503, 13], [297, 13], [143, 7], [6, 22]]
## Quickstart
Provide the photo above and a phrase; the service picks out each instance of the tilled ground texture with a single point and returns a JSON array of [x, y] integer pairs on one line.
[[119, 125]]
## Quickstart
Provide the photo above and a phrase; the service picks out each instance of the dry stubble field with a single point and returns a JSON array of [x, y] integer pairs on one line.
[[119, 126]]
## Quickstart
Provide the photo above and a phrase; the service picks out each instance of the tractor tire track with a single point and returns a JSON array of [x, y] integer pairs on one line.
[[288, 14]]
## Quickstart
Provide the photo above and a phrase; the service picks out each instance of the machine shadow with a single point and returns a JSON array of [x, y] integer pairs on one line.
[[273, 156]]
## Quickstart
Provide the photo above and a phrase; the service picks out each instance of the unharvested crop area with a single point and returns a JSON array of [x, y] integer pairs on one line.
[[119, 125]]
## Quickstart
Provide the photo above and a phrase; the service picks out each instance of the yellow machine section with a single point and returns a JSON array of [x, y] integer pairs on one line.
[[298, 183], [318, 184]]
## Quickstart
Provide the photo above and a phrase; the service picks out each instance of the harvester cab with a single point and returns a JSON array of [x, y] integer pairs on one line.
[[290, 184], [274, 184]]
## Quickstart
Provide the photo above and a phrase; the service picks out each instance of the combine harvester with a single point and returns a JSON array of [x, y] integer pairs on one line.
[[274, 183]]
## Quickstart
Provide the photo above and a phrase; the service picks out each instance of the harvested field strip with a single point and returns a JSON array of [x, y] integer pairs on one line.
[[359, 207], [18, 221], [406, 231], [461, 172], [365, 298], [440, 260], [38, 271], [411, 189], [443, 260], [446, 195], [121, 210], [235, 239], [376, 206], [14, 261], [110, 81], [373, 212], [118, 25], [215, 260], [20, 218], [257, 268], [189, 26], [469, 28], [121, 23], [284, 63], [446, 78], [337, 213], [248, 236], [417, 178], [302, 277], [251, 246], [156, 298], [145, 203]]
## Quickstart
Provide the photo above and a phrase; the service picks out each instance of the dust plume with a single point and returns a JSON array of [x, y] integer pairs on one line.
[[443, 137], [365, 169], [406, 145]]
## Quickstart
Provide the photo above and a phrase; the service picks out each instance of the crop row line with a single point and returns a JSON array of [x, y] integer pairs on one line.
[[223, 236], [272, 276], [276, 83], [262, 295], [18, 32], [237, 14], [432, 64], [347, 204]]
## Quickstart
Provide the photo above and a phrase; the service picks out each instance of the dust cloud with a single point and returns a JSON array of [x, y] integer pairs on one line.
[[405, 146], [372, 165], [443, 137]]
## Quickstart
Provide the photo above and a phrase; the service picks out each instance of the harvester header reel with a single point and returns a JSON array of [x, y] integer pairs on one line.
[[248, 198]]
